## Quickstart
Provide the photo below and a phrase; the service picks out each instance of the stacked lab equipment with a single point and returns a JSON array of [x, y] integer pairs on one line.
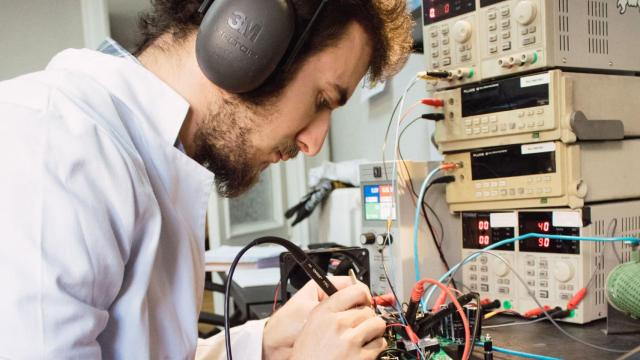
[[540, 114]]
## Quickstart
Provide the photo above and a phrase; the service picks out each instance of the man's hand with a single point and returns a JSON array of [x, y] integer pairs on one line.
[[310, 325]]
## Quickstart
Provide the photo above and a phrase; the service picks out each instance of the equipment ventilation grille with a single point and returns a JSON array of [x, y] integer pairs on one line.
[[563, 24], [626, 227], [598, 282], [598, 27], [630, 228]]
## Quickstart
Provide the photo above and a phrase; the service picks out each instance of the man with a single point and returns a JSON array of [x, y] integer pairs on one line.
[[103, 205]]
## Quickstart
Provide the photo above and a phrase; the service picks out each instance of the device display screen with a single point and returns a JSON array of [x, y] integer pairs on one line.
[[438, 10], [542, 222], [477, 232], [513, 160], [378, 202], [503, 95], [484, 3]]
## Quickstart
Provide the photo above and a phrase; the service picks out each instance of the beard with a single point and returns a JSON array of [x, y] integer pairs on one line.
[[222, 145]]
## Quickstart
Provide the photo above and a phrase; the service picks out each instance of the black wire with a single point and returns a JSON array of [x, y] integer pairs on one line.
[[395, 351], [312, 270], [414, 192], [435, 215], [476, 325], [386, 275], [437, 244]]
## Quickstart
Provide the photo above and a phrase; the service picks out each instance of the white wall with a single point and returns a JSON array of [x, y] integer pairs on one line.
[[32, 31], [357, 129]]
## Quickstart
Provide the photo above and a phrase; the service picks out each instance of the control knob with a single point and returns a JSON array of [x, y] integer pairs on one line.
[[367, 238], [461, 31], [563, 271], [381, 239], [501, 269], [525, 12]]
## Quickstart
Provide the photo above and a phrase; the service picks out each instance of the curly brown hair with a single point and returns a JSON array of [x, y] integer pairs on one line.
[[386, 22]]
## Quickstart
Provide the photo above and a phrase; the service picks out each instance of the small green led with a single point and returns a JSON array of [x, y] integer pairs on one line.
[[535, 58], [507, 305], [535, 135], [471, 73], [572, 313]]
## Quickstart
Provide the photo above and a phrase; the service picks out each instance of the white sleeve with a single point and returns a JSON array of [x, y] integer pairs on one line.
[[246, 343], [67, 216]]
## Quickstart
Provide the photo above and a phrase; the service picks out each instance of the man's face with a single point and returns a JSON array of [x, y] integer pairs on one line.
[[237, 141]]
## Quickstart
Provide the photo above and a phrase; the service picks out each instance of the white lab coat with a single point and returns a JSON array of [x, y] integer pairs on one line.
[[101, 217]]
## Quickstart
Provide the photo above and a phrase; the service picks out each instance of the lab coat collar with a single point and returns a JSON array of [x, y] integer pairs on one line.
[[161, 106]]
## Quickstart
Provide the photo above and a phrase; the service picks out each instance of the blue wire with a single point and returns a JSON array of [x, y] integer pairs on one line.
[[519, 353], [416, 220], [442, 279]]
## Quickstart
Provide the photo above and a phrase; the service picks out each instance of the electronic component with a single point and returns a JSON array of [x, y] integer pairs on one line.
[[536, 108], [486, 39], [309, 267], [377, 193], [452, 328], [487, 274], [544, 174], [556, 270], [335, 261]]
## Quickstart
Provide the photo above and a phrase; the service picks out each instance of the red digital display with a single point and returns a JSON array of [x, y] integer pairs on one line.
[[543, 227], [483, 233], [541, 223], [437, 10], [478, 233]]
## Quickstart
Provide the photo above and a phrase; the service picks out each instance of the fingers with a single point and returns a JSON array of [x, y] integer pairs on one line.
[[312, 291], [354, 317], [370, 329], [340, 282], [350, 297], [373, 348]]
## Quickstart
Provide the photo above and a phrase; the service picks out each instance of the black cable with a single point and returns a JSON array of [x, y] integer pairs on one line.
[[310, 268], [436, 181], [424, 325], [443, 74], [476, 325], [433, 116], [422, 206], [441, 180], [386, 275]]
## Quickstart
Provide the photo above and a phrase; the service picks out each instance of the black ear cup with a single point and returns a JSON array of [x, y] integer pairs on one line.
[[241, 42]]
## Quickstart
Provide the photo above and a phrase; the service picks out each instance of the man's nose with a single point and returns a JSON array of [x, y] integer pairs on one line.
[[311, 138]]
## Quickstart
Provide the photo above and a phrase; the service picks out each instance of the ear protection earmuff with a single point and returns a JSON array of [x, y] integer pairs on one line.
[[240, 43]]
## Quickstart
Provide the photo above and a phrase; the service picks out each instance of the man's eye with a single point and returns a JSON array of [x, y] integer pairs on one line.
[[322, 104]]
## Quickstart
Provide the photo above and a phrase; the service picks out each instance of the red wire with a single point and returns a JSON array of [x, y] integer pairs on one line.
[[412, 335], [418, 289], [275, 298]]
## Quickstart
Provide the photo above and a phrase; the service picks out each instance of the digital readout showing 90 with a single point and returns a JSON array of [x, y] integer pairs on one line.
[[542, 223]]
